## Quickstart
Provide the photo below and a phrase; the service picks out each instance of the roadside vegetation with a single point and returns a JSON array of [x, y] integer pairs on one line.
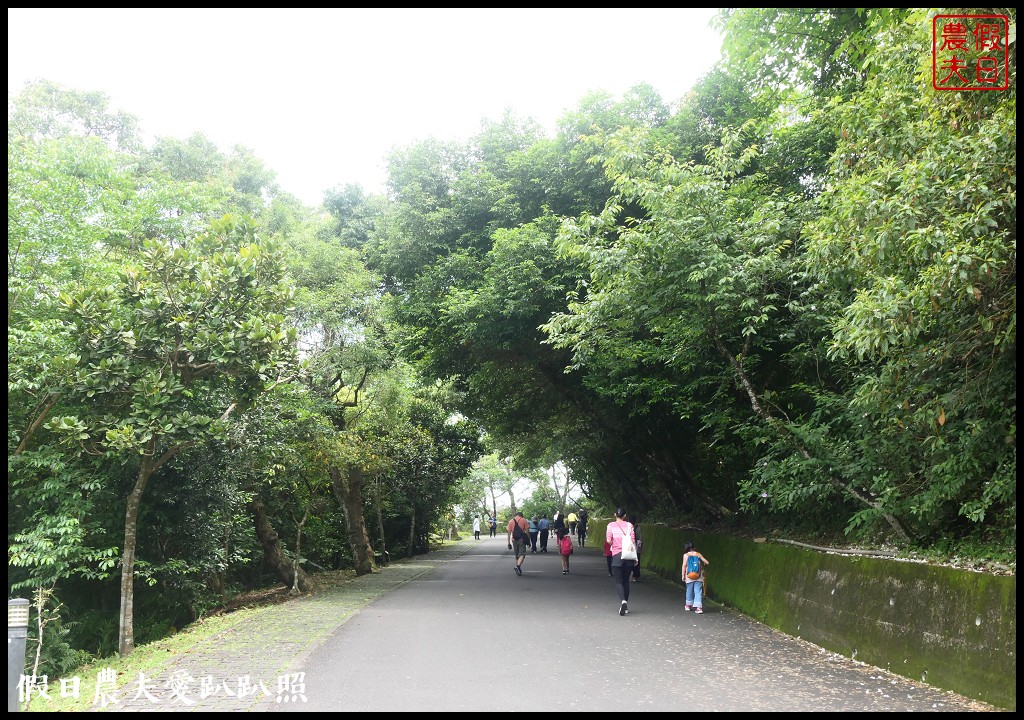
[[781, 306]]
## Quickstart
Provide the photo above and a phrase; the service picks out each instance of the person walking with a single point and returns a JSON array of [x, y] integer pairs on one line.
[[693, 575], [519, 534], [544, 526], [557, 521], [581, 528], [622, 539], [492, 523], [476, 527], [572, 519], [533, 532], [564, 549]]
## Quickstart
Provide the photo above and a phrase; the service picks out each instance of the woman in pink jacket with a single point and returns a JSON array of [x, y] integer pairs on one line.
[[622, 569]]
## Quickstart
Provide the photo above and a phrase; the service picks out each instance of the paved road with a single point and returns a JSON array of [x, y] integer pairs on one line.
[[458, 630], [471, 634]]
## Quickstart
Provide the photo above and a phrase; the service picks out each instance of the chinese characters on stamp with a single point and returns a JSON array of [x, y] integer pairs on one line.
[[970, 52]]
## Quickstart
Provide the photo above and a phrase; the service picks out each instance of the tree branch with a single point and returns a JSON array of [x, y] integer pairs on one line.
[[45, 406]]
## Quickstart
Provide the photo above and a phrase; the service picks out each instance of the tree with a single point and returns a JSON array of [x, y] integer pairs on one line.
[[277, 455], [168, 353], [45, 109], [918, 239], [346, 345], [469, 250], [826, 49], [77, 205], [686, 262]]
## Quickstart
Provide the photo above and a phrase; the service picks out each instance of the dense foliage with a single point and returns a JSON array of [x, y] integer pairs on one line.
[[787, 300]]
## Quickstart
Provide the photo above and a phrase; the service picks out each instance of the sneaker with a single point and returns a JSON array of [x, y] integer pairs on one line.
[[698, 611], [688, 608], [622, 608], [519, 570]]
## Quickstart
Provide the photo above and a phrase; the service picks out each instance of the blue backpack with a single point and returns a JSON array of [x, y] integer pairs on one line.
[[693, 567]]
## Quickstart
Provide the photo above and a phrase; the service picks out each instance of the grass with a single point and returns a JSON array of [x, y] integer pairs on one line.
[[151, 657], [145, 659]]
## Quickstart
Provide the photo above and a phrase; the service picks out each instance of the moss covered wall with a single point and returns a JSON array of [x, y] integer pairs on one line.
[[953, 629]]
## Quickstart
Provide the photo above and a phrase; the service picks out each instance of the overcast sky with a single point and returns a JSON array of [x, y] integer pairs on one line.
[[321, 96]]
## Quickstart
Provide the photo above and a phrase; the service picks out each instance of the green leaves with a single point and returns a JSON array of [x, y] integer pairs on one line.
[[160, 355]]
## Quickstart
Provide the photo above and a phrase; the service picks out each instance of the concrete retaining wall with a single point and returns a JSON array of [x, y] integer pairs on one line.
[[953, 629]]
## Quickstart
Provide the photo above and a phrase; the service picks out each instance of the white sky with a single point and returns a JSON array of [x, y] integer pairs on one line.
[[321, 96]]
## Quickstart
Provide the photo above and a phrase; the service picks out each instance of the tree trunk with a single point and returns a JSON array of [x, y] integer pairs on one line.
[[150, 464], [42, 599], [126, 615], [380, 516], [272, 552], [412, 531], [220, 576], [349, 491], [298, 548]]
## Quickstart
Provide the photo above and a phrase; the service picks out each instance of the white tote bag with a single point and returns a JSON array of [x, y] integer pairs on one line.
[[628, 547]]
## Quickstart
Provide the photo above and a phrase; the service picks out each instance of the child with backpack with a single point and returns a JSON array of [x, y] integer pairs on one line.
[[564, 549], [693, 576]]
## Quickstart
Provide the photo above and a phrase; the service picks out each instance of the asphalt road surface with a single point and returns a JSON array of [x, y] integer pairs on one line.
[[474, 636]]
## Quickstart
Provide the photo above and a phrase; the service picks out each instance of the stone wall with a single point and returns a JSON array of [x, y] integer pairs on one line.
[[953, 629]]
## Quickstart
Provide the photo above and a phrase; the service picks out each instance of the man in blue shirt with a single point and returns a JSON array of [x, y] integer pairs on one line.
[[544, 526]]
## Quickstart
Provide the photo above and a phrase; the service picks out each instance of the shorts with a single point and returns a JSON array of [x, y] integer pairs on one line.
[[520, 547]]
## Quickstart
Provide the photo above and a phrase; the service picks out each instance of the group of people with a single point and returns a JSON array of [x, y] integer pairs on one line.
[[576, 524], [623, 534], [492, 526], [622, 547], [541, 529], [533, 535]]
